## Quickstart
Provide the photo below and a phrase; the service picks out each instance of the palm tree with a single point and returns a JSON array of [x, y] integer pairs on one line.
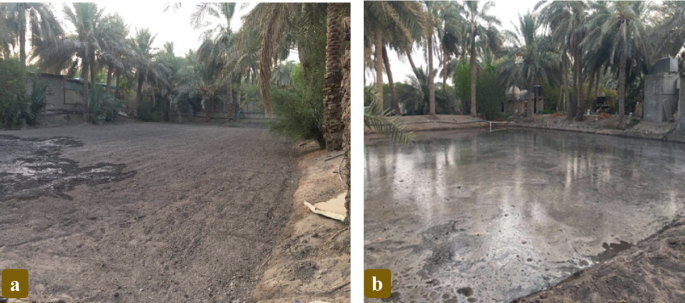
[[146, 65], [415, 95], [568, 22], [625, 24], [85, 18], [346, 114], [332, 124], [36, 16], [398, 24], [114, 46], [482, 35], [530, 59], [449, 33], [670, 31]]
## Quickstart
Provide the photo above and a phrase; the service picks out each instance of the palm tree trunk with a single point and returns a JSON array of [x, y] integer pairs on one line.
[[265, 74], [118, 77], [22, 33], [86, 90], [346, 116], [561, 88], [597, 86], [473, 72], [230, 106], [109, 76], [581, 98], [444, 68], [573, 103], [622, 82], [565, 79], [391, 83], [379, 69], [411, 61], [431, 84], [530, 112], [92, 70], [583, 106], [332, 114], [139, 93]]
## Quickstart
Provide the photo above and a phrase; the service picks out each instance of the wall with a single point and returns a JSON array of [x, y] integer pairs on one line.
[[661, 97], [681, 105]]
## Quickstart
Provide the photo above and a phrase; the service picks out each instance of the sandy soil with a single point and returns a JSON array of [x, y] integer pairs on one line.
[[651, 271], [592, 124], [311, 261], [143, 212]]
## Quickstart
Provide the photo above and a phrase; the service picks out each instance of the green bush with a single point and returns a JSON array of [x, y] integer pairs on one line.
[[462, 85], [145, 112], [16, 107], [489, 96], [295, 117], [103, 106]]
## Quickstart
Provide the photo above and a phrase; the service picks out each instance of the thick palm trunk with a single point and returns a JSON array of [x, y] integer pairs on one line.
[[622, 82], [346, 116], [581, 97], [583, 106], [265, 74], [139, 94], [431, 84], [22, 33], [444, 68], [411, 62], [332, 92], [118, 77], [561, 89], [597, 86], [473, 72], [93, 69], [391, 83], [573, 103], [379, 69], [230, 105], [86, 90], [565, 79], [109, 77], [530, 112]]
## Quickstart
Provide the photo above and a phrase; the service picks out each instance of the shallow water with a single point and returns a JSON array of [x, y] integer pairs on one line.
[[506, 213]]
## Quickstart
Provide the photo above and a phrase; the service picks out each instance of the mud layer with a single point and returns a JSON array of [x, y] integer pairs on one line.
[[194, 224], [652, 271], [493, 216], [30, 168]]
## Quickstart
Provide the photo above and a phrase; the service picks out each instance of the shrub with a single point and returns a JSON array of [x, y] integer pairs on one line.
[[17, 108], [489, 96], [103, 106], [295, 117], [145, 112]]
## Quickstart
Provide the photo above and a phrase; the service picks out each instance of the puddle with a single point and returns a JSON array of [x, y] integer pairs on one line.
[[490, 217], [30, 168]]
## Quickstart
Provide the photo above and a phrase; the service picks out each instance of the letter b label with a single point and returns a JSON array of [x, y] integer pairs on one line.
[[377, 283], [15, 283]]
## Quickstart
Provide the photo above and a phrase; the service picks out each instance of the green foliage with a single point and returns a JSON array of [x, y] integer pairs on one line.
[[103, 106], [295, 117], [489, 95], [369, 95], [388, 125], [297, 78], [145, 110], [16, 107], [415, 95]]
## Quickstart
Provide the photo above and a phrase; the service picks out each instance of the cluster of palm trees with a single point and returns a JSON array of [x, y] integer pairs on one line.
[[583, 40], [208, 78]]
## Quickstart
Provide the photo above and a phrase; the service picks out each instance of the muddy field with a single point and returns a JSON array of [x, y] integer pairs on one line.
[[143, 212]]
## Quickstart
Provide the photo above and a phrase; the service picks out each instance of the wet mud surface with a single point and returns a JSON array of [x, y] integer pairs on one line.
[[30, 168], [143, 212], [491, 217]]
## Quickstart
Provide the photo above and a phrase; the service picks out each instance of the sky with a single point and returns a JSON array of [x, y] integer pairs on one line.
[[506, 11]]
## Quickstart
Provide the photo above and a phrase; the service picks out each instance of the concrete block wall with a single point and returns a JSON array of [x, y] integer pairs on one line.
[[661, 96]]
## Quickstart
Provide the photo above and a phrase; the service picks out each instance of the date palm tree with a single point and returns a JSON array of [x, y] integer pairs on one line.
[[530, 59], [625, 24], [482, 34], [148, 68], [332, 124], [38, 17], [398, 23]]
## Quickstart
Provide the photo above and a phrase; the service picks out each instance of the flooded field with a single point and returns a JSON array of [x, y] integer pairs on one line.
[[490, 217]]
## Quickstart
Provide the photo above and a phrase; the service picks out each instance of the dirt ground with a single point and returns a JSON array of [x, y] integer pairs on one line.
[[143, 212], [652, 271], [593, 124], [437, 122], [311, 262]]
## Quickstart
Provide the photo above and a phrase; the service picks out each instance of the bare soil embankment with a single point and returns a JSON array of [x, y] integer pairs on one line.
[[651, 271], [311, 262], [596, 125], [143, 212], [437, 122]]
